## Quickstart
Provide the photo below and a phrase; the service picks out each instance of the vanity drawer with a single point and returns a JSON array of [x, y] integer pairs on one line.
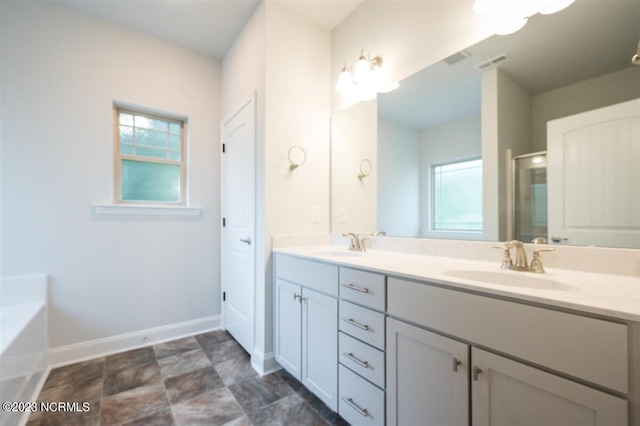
[[591, 349], [314, 275], [360, 403], [362, 323], [365, 288], [365, 360]]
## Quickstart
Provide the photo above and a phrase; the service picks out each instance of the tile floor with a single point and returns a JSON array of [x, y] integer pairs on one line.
[[201, 380]]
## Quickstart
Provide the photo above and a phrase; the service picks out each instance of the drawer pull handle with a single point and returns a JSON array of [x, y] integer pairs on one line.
[[456, 364], [476, 371], [364, 364], [362, 411], [356, 288], [356, 324]]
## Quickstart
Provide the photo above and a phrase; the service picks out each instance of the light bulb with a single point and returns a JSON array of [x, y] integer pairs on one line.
[[556, 6], [345, 82], [362, 70], [511, 25]]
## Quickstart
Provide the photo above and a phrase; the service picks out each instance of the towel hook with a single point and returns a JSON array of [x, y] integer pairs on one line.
[[365, 169], [293, 164]]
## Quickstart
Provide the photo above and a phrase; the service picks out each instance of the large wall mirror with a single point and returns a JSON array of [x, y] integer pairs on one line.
[[558, 100]]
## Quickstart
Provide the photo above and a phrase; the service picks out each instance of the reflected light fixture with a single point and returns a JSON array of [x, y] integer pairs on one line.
[[366, 79], [509, 16]]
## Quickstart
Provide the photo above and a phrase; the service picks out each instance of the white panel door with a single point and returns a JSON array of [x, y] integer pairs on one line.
[[288, 327], [593, 174], [507, 393], [320, 346], [238, 231], [427, 377]]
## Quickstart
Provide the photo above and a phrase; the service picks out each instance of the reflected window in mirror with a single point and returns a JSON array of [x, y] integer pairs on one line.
[[457, 196]]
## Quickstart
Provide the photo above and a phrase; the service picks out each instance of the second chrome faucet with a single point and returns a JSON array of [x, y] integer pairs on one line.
[[357, 242], [521, 257]]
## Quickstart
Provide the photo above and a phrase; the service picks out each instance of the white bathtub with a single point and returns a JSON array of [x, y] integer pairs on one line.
[[23, 342]]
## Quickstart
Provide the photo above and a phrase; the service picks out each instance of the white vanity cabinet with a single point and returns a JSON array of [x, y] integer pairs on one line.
[[421, 383], [506, 392], [306, 324], [362, 347], [427, 377]]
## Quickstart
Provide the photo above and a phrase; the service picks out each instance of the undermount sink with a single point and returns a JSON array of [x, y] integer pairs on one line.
[[339, 253], [510, 279]]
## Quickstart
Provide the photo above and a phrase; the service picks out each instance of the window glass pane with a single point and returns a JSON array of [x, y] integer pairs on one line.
[[174, 143], [126, 119], [126, 134], [151, 138], [175, 128], [175, 156], [457, 196], [152, 123], [151, 152], [150, 182], [126, 149]]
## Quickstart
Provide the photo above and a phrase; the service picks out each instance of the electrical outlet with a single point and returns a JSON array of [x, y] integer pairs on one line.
[[315, 214], [342, 215]]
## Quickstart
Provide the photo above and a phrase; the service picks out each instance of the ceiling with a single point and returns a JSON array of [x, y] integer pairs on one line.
[[206, 26], [589, 39]]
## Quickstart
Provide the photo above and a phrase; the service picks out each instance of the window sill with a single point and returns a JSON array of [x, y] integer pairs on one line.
[[141, 210]]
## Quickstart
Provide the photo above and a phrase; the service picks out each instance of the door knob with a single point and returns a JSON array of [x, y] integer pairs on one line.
[[247, 241], [557, 239]]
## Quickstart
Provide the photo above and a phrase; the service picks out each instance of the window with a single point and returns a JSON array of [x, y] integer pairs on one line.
[[457, 196], [150, 166]]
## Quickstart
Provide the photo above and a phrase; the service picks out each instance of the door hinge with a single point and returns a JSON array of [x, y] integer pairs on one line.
[[224, 296], [224, 222], [223, 148]]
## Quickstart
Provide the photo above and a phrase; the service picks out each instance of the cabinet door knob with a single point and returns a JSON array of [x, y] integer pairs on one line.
[[362, 411], [456, 364], [297, 296], [475, 373]]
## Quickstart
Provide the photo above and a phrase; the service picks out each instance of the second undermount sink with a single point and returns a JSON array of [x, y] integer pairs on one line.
[[339, 253], [510, 279]]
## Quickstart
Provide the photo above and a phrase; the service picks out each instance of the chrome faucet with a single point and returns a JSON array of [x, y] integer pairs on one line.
[[355, 244], [521, 258]]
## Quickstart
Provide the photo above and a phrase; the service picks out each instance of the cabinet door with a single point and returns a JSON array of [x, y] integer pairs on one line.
[[288, 327], [427, 377], [320, 346], [505, 392]]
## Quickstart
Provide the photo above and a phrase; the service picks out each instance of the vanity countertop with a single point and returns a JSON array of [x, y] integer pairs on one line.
[[602, 294]]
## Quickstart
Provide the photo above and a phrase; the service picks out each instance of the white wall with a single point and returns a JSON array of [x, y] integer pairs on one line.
[[398, 167], [354, 133], [61, 73], [610, 89], [453, 140]]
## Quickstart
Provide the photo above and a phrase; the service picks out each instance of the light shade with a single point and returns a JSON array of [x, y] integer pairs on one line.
[[366, 79], [509, 16]]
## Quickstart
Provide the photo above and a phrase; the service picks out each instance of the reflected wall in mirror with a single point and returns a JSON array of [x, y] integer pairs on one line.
[[493, 101]]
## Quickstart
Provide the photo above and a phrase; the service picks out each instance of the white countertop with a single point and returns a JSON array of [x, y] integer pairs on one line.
[[609, 295]]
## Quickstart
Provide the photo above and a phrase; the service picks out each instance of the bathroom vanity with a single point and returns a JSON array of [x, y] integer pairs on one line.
[[396, 338]]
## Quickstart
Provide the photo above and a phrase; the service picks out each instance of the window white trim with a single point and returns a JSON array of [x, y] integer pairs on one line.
[[142, 210], [118, 156]]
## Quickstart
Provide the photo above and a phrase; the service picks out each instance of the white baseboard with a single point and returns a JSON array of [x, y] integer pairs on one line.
[[109, 345], [264, 363]]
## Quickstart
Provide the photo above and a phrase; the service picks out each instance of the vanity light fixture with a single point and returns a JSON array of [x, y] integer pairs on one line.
[[509, 16], [366, 79]]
